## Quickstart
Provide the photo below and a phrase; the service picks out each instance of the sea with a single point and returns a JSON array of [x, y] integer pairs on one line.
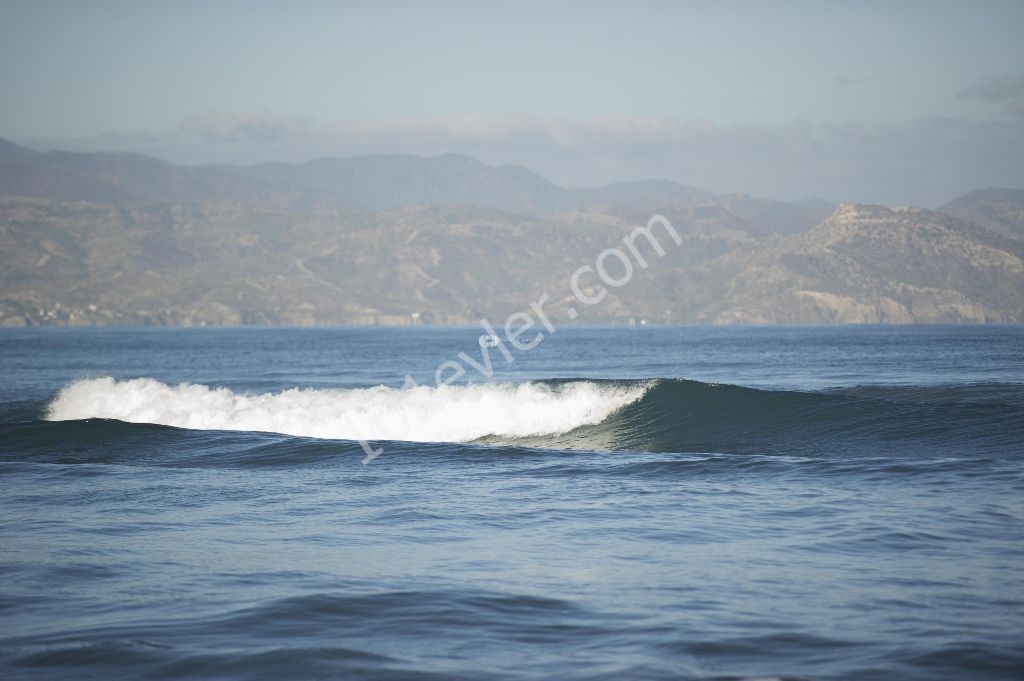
[[749, 502]]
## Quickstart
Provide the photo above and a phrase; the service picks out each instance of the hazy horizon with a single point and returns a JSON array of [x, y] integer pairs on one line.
[[912, 104], [638, 180]]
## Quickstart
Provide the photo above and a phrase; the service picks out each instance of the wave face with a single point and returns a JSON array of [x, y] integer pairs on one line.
[[690, 416], [419, 413]]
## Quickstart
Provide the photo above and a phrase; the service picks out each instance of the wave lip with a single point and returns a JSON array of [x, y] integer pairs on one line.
[[453, 413]]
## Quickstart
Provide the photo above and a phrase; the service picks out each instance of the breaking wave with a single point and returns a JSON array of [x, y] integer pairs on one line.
[[420, 413], [649, 415]]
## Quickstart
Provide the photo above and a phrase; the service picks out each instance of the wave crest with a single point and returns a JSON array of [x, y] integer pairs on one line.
[[420, 413]]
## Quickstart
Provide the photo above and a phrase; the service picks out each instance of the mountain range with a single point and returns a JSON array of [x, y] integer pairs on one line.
[[110, 238]]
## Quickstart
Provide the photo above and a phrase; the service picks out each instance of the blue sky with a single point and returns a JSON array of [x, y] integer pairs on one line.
[[703, 93]]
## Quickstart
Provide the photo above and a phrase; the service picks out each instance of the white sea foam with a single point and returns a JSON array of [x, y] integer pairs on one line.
[[420, 413]]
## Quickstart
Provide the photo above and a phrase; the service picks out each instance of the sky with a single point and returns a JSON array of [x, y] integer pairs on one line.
[[902, 103]]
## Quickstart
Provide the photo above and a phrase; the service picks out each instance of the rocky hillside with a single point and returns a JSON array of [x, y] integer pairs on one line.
[[93, 263], [127, 239], [875, 264]]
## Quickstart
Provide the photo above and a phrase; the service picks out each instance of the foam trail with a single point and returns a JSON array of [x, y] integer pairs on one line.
[[420, 413]]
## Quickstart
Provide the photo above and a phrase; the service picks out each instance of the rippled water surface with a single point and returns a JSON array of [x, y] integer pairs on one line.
[[650, 503]]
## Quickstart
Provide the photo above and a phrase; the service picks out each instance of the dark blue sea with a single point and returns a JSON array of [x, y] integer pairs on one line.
[[613, 503]]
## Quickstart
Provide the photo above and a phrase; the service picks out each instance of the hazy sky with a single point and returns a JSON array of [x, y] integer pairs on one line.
[[909, 102]]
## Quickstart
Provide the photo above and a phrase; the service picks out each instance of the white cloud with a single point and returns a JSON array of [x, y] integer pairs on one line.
[[996, 88], [1009, 89], [225, 126]]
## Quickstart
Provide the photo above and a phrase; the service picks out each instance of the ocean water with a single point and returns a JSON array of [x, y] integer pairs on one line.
[[614, 503]]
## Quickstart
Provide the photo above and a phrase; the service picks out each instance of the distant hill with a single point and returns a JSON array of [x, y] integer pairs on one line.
[[374, 183], [26, 173], [876, 264], [88, 263], [102, 238], [123, 179], [1001, 210]]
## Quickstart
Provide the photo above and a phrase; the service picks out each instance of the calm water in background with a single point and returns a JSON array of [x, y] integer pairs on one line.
[[821, 503]]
